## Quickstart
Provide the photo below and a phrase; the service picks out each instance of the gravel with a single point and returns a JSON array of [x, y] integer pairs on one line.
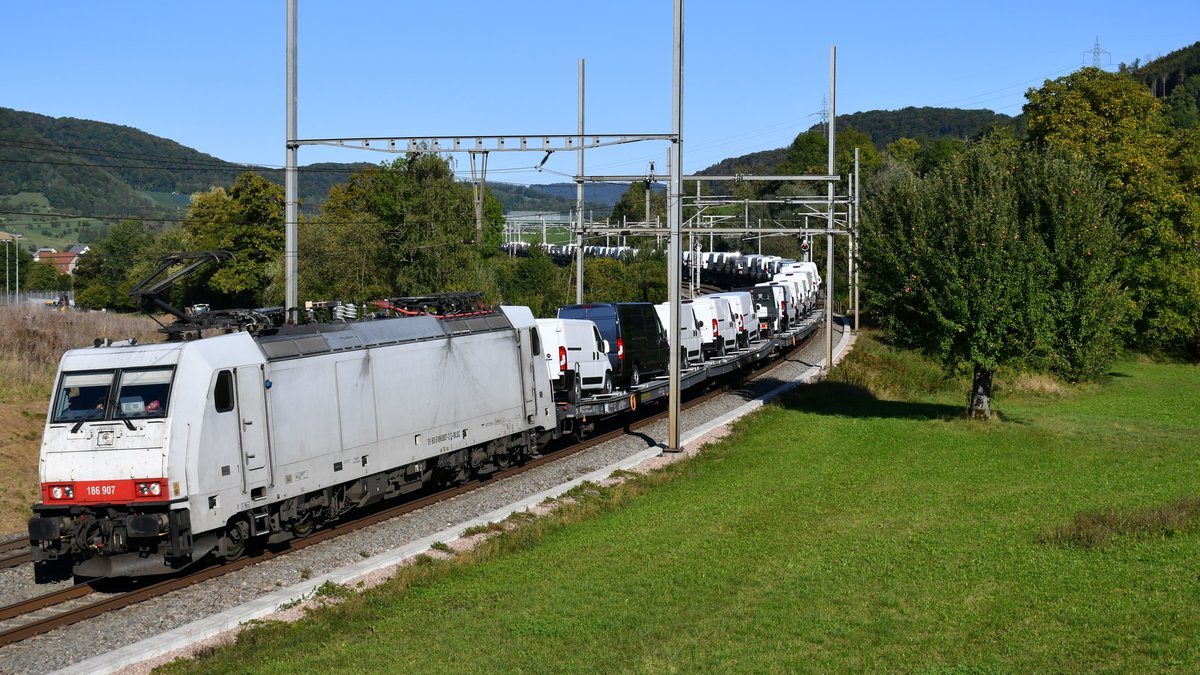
[[66, 646]]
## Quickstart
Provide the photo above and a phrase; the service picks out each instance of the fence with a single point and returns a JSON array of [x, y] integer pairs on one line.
[[34, 297]]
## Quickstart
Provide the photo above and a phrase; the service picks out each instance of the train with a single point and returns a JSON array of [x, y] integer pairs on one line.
[[155, 457]]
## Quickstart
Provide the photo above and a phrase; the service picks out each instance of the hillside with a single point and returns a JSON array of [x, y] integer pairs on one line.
[[1166, 73], [105, 171], [884, 127], [888, 126], [1174, 78]]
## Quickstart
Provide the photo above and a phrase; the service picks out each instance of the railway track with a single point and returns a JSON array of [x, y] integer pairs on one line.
[[14, 552], [22, 620]]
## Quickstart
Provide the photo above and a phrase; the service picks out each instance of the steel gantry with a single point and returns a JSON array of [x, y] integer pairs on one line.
[[479, 146]]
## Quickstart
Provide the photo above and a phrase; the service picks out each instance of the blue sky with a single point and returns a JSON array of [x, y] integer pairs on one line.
[[210, 74]]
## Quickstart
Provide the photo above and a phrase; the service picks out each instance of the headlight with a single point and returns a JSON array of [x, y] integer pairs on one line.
[[148, 489], [62, 492]]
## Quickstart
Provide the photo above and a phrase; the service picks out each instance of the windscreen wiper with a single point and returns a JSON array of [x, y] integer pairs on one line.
[[128, 423], [87, 416]]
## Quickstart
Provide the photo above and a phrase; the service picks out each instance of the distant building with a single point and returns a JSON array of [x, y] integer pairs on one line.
[[64, 262]]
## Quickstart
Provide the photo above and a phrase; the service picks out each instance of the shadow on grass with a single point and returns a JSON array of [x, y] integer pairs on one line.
[[849, 400]]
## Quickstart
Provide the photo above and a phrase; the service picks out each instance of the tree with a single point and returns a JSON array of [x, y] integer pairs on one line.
[[536, 282], [809, 155], [102, 278], [1001, 257], [45, 277], [404, 228], [1183, 104], [246, 220], [1071, 209], [343, 254], [1118, 126], [632, 205], [903, 150]]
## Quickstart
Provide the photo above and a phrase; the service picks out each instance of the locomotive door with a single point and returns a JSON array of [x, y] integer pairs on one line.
[[528, 381], [252, 416]]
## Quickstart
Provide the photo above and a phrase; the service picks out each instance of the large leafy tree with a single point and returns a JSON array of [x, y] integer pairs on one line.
[[402, 228], [632, 205], [1000, 257], [1070, 208], [247, 220], [1117, 125], [102, 278], [809, 154], [536, 282], [343, 254], [45, 277]]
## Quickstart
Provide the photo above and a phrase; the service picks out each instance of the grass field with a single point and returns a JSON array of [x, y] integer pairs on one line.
[[839, 530]]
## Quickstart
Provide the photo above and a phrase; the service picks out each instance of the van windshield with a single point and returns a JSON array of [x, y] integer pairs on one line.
[[605, 319]]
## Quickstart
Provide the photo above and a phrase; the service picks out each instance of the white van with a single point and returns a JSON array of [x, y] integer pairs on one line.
[[690, 343], [809, 269], [576, 357], [779, 300], [719, 332], [742, 304], [800, 289], [789, 296]]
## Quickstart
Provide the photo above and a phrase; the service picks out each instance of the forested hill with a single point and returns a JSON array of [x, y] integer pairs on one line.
[[99, 169], [884, 127], [888, 126], [108, 170], [1174, 78], [1165, 73]]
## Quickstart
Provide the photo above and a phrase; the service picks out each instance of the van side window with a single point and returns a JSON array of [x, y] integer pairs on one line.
[[223, 393], [599, 340], [535, 343]]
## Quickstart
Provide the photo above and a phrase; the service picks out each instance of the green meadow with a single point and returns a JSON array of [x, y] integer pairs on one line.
[[858, 524]]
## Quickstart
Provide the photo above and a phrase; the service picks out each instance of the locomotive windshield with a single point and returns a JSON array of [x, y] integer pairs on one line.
[[139, 393]]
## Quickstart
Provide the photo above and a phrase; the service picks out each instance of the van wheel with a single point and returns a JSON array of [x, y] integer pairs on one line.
[[720, 347], [607, 386], [577, 387], [635, 378]]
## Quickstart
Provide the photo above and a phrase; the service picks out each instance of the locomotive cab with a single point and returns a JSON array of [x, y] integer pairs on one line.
[[105, 484], [114, 463]]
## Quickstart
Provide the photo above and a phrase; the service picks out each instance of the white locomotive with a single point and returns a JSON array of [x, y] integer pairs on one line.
[[156, 455]]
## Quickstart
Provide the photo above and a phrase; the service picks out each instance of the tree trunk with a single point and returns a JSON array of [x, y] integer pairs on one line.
[[979, 406]]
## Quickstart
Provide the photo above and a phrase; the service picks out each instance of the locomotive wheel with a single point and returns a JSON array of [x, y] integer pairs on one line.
[[305, 525], [234, 539]]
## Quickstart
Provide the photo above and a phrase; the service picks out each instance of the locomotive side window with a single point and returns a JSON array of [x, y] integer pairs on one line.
[[223, 394], [144, 392], [82, 396]]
